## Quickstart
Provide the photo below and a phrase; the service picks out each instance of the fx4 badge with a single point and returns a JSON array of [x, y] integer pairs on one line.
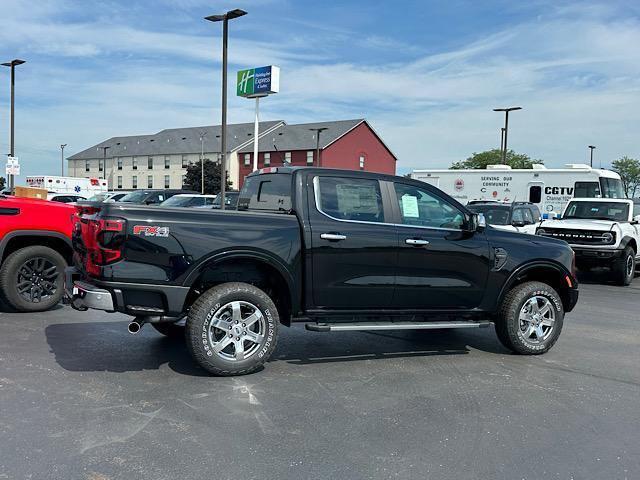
[[150, 231]]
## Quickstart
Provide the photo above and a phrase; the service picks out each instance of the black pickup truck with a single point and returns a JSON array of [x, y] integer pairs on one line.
[[340, 250]]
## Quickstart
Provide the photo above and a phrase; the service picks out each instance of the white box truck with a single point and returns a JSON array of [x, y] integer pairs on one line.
[[85, 187], [549, 188]]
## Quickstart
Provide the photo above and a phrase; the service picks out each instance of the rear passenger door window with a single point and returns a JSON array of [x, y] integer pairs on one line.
[[352, 199]]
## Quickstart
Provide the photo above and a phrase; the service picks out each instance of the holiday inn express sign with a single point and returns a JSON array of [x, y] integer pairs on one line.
[[258, 82]]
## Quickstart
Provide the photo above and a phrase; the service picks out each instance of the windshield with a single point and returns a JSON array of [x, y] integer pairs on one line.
[[100, 197], [615, 211], [177, 201], [611, 187], [134, 197], [230, 200], [493, 214]]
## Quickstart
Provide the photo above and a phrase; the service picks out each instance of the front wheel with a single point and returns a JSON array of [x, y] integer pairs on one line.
[[624, 269], [232, 329], [530, 319]]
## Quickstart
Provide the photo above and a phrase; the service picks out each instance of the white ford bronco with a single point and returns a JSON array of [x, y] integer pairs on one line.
[[603, 232]]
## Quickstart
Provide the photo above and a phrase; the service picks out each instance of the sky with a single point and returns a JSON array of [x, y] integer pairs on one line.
[[425, 74]]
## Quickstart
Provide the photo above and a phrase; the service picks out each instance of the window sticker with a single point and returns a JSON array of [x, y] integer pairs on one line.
[[410, 206]]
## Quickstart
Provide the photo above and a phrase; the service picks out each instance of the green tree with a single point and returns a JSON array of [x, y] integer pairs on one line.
[[494, 157], [2, 183], [629, 171], [193, 177]]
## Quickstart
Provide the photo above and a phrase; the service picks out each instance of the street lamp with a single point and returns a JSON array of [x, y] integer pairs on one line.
[[224, 18], [506, 128], [104, 162], [202, 134], [592, 148], [62, 158], [12, 64], [318, 130]]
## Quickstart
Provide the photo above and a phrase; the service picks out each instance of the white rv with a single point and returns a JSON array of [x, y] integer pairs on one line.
[[84, 187], [549, 188]]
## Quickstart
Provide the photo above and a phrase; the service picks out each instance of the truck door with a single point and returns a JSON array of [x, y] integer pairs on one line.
[[440, 266], [353, 248], [535, 195]]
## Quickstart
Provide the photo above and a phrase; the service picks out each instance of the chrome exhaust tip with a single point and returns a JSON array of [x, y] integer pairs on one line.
[[135, 326]]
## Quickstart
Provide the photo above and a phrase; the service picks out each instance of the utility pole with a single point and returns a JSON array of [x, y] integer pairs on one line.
[[506, 129], [12, 64], [318, 130], [62, 158], [592, 148], [224, 18], [202, 134]]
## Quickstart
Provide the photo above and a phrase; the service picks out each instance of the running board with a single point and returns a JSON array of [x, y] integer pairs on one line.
[[345, 327]]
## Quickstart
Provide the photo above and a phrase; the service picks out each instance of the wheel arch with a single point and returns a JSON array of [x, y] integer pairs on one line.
[[18, 239], [257, 268], [548, 272], [629, 242]]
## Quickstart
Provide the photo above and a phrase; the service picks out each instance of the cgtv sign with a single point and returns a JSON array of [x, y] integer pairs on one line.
[[258, 82]]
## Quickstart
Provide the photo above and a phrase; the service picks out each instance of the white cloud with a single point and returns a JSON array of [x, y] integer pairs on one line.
[[576, 72]]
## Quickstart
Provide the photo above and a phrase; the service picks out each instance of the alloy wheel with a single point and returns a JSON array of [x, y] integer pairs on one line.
[[537, 318], [37, 279], [236, 331]]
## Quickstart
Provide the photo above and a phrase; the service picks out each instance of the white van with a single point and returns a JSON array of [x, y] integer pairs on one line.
[[83, 187], [549, 188]]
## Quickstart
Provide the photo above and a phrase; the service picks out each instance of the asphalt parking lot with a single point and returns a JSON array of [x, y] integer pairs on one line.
[[82, 399]]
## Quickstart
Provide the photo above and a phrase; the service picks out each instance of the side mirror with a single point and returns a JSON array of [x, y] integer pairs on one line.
[[476, 222], [636, 219], [517, 223]]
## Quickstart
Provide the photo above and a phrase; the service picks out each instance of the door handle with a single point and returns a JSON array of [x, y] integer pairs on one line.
[[416, 241], [333, 237]]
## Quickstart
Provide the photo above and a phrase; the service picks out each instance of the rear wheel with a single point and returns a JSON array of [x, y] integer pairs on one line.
[[32, 279], [232, 329], [530, 319], [624, 269]]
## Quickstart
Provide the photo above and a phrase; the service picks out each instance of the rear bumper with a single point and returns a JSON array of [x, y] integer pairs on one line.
[[130, 298]]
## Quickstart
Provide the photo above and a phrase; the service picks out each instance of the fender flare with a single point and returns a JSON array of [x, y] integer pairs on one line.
[[33, 233], [524, 268], [626, 240], [246, 254]]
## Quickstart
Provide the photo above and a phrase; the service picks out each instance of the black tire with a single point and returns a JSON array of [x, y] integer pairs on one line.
[[171, 330], [624, 269], [49, 280], [512, 332], [227, 305]]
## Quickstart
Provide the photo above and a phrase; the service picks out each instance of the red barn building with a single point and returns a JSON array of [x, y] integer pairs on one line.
[[347, 144]]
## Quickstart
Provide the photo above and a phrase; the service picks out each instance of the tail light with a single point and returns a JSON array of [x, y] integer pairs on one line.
[[103, 240]]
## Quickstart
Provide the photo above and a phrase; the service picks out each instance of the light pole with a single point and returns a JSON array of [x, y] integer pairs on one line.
[[224, 18], [501, 139], [592, 148], [318, 130], [104, 162], [62, 158], [202, 134], [506, 128], [12, 64]]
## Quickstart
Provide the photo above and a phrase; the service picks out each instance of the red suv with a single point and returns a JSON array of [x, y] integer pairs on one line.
[[35, 248]]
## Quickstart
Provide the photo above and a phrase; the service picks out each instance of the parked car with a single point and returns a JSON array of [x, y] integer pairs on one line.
[[151, 197], [189, 200], [35, 248], [230, 201], [523, 217], [333, 248], [604, 232], [65, 198], [108, 196]]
